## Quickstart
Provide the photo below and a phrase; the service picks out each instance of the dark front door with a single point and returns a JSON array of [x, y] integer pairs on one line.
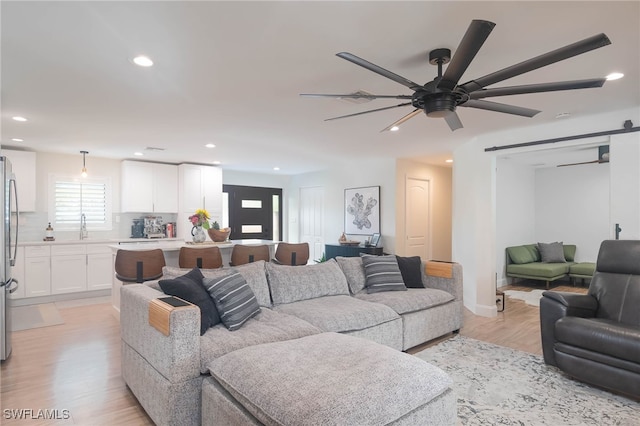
[[254, 212]]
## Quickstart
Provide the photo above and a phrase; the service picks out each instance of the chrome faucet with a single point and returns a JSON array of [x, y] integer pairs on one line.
[[83, 227]]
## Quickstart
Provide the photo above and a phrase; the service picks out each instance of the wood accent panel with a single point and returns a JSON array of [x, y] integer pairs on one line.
[[436, 268], [160, 314]]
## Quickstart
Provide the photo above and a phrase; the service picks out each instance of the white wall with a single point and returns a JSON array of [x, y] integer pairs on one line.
[[572, 206], [380, 172], [515, 209], [474, 236]]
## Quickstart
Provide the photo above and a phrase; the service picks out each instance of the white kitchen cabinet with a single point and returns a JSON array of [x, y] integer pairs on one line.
[[68, 268], [200, 188], [17, 273], [24, 167], [149, 187], [99, 267], [37, 271]]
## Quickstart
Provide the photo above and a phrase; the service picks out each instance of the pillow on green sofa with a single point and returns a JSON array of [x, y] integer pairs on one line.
[[551, 252], [520, 254], [569, 252]]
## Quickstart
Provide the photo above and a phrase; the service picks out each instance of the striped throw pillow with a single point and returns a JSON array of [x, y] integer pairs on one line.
[[382, 274], [234, 299]]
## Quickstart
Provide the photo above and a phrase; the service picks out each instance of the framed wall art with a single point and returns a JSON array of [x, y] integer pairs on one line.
[[362, 210]]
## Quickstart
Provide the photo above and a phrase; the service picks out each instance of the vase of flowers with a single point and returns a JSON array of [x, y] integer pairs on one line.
[[200, 222]]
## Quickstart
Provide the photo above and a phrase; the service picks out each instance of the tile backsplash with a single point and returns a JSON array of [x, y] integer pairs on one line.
[[33, 225]]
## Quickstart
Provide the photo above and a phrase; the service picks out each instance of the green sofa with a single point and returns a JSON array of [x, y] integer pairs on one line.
[[525, 262]]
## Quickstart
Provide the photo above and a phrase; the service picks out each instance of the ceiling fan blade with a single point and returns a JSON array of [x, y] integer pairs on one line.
[[538, 88], [367, 112], [402, 120], [494, 106], [471, 43], [379, 70], [453, 121], [356, 96], [574, 49]]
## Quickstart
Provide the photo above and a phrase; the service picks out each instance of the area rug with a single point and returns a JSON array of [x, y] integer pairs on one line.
[[530, 297], [495, 385], [35, 316]]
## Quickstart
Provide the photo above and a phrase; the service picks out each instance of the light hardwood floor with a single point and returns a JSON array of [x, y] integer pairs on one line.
[[76, 366]]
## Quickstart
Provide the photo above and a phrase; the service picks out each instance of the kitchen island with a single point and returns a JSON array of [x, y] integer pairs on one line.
[[171, 250]]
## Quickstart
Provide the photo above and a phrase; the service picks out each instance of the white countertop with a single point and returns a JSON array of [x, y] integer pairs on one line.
[[175, 244], [97, 241]]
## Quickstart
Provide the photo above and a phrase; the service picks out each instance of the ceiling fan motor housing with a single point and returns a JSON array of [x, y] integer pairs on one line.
[[435, 104]]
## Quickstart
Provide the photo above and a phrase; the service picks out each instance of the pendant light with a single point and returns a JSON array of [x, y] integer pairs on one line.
[[84, 164]]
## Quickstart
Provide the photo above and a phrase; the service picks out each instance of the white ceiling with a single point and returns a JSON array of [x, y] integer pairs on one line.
[[230, 73]]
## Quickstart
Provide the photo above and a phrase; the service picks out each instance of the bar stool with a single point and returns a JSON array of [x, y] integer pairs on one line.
[[241, 254], [292, 254], [207, 258], [138, 266]]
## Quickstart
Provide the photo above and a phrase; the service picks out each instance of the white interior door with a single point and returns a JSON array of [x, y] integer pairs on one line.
[[418, 240], [312, 220]]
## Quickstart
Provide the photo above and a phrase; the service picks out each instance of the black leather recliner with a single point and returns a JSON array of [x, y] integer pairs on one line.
[[595, 337]]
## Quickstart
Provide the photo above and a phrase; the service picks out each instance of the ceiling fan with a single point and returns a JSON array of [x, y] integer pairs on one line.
[[441, 97]]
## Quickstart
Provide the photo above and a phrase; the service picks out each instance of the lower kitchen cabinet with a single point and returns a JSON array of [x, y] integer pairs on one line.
[[37, 276], [99, 268], [68, 273]]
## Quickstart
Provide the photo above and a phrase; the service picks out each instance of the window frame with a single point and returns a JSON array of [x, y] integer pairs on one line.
[[107, 225]]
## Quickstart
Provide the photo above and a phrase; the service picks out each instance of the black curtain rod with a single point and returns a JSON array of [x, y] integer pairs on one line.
[[628, 128]]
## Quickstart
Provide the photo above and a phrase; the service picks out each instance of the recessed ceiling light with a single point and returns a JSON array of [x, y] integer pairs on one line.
[[17, 140], [143, 61], [276, 168], [210, 145], [139, 154], [394, 129], [448, 161], [18, 118], [614, 76], [563, 114]]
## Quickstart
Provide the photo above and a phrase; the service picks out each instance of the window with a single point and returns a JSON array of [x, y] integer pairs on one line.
[[71, 197]]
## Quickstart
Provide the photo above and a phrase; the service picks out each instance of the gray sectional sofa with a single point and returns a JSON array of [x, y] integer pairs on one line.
[[319, 338]]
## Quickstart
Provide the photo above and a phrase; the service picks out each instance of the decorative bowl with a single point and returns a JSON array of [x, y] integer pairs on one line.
[[219, 235]]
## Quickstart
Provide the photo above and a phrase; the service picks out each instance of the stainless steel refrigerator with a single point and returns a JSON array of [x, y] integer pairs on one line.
[[8, 250]]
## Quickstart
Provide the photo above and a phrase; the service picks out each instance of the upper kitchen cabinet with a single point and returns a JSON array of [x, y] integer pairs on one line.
[[200, 188], [24, 167], [149, 187]]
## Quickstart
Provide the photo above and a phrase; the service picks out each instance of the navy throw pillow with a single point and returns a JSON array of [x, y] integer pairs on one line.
[[410, 270]]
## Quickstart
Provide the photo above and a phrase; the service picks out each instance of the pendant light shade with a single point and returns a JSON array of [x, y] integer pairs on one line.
[[84, 164]]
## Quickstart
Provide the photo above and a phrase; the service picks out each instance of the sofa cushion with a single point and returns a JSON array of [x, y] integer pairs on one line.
[[253, 273], [328, 379], [294, 283], [354, 271], [582, 269], [551, 252], [414, 299], [382, 273], [268, 326], [190, 288], [411, 270], [234, 299], [339, 313], [539, 270], [520, 255]]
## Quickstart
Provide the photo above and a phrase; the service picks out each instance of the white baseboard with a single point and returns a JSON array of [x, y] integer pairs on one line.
[[486, 311]]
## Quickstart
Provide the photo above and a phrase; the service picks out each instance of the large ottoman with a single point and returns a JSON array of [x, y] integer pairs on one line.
[[326, 379]]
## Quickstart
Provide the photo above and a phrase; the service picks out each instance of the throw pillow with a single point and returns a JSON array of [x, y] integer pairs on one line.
[[551, 252], [520, 255], [410, 268], [382, 274], [190, 288], [234, 299]]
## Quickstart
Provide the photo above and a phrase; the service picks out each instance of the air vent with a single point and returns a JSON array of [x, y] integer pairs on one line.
[[153, 148], [358, 100]]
